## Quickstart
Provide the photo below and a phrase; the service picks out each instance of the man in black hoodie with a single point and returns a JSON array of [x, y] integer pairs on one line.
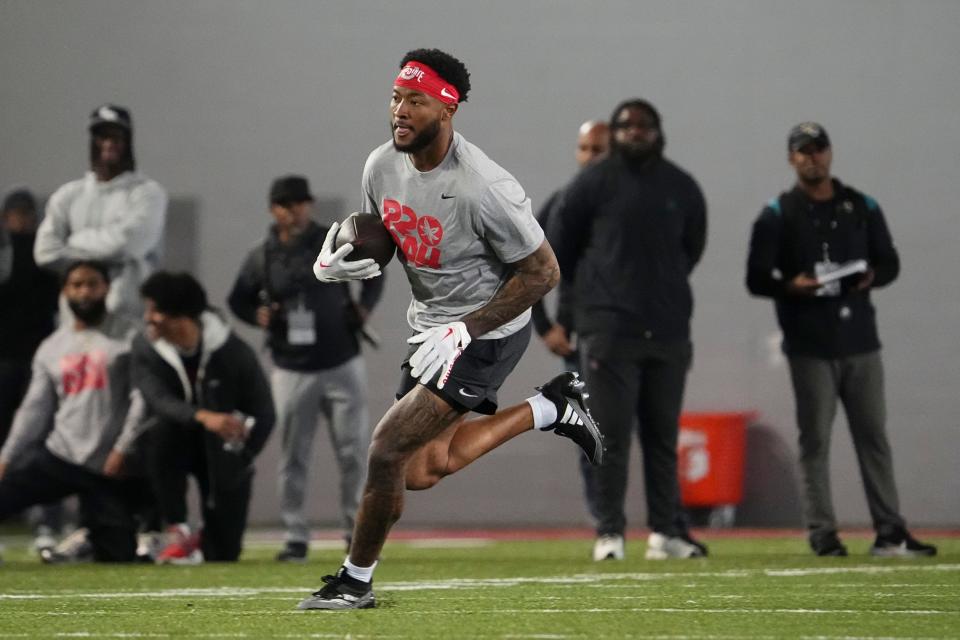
[[800, 242], [628, 232], [214, 411], [312, 329]]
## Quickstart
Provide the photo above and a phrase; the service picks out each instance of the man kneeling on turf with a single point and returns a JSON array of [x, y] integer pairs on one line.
[[80, 404], [214, 414]]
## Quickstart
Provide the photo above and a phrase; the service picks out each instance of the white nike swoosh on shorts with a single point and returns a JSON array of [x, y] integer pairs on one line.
[[468, 395]]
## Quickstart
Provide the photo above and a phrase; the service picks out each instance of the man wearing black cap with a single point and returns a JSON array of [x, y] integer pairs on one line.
[[312, 329], [113, 214], [818, 250]]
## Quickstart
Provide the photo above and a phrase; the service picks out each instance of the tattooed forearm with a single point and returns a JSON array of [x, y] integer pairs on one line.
[[532, 278]]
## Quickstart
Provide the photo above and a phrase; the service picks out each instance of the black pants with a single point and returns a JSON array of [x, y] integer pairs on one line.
[[45, 478], [177, 452], [628, 379]]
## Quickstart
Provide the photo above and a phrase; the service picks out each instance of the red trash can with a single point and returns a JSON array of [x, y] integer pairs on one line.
[[711, 451]]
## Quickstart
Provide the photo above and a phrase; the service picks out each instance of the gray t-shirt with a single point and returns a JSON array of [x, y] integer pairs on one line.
[[459, 227], [80, 403]]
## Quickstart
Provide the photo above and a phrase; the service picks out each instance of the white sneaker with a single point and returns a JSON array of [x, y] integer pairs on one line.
[[149, 545], [661, 547], [608, 547], [76, 547], [44, 540]]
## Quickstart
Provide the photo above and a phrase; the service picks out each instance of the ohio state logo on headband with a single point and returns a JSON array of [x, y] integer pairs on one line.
[[416, 75]]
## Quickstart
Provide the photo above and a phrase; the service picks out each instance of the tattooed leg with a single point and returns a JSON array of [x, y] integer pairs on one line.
[[408, 425]]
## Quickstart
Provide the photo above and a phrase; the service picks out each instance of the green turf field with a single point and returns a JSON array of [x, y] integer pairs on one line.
[[757, 588]]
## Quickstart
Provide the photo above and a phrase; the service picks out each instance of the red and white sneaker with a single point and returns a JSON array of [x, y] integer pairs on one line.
[[182, 546]]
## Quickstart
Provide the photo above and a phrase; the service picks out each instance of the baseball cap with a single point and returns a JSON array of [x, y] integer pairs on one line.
[[290, 189], [110, 114], [807, 133]]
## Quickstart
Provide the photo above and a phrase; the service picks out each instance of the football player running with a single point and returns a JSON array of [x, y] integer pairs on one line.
[[476, 260]]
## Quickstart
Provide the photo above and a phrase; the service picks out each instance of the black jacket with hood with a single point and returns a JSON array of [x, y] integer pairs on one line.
[[229, 379]]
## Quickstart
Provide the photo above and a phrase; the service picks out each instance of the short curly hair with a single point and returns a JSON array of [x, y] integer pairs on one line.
[[446, 66]]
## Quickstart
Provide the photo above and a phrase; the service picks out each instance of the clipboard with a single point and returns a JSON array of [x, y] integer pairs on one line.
[[843, 270]]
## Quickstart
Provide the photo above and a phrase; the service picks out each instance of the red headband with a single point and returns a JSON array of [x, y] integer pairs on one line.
[[416, 75]]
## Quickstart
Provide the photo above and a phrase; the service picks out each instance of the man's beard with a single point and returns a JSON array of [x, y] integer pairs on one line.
[[421, 141], [89, 313], [638, 154]]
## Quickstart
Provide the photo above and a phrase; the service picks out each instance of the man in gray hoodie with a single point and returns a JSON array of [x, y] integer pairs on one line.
[[114, 214], [82, 407]]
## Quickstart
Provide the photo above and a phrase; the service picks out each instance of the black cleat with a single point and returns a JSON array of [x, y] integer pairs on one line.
[[341, 592], [901, 544], [828, 545], [568, 392]]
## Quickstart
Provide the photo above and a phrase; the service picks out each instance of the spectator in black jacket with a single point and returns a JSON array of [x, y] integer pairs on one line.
[[830, 332], [28, 301], [28, 306], [629, 230], [210, 396], [312, 329]]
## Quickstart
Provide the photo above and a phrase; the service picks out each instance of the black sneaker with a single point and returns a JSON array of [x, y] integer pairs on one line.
[[702, 551], [828, 544], [901, 545], [293, 552], [341, 592], [568, 392]]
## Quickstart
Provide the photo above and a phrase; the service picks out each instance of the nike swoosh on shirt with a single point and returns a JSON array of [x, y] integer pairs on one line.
[[468, 395], [444, 196]]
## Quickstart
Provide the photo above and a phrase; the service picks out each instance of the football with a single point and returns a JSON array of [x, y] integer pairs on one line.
[[370, 239]]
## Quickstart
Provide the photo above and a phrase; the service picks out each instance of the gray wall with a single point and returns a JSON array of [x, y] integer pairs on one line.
[[228, 94]]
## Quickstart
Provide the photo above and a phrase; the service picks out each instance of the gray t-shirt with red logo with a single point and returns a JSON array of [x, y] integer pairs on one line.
[[459, 227]]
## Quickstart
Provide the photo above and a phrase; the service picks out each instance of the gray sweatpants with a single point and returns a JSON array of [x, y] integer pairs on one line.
[[340, 395], [857, 381]]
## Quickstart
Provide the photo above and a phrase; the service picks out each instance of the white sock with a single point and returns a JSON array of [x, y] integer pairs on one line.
[[364, 574], [544, 411]]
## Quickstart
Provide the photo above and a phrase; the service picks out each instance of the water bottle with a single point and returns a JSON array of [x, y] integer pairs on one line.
[[236, 446]]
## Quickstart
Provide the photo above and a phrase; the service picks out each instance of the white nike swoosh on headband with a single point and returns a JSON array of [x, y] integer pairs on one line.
[[447, 94]]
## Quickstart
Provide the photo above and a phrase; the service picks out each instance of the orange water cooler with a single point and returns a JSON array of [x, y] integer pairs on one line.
[[711, 452]]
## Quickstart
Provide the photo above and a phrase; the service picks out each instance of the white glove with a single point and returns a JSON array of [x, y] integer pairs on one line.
[[439, 349], [331, 267]]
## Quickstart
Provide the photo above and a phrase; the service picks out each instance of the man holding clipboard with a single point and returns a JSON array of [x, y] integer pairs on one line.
[[818, 250]]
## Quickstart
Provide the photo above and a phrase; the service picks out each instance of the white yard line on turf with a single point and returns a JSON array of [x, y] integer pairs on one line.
[[478, 583]]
